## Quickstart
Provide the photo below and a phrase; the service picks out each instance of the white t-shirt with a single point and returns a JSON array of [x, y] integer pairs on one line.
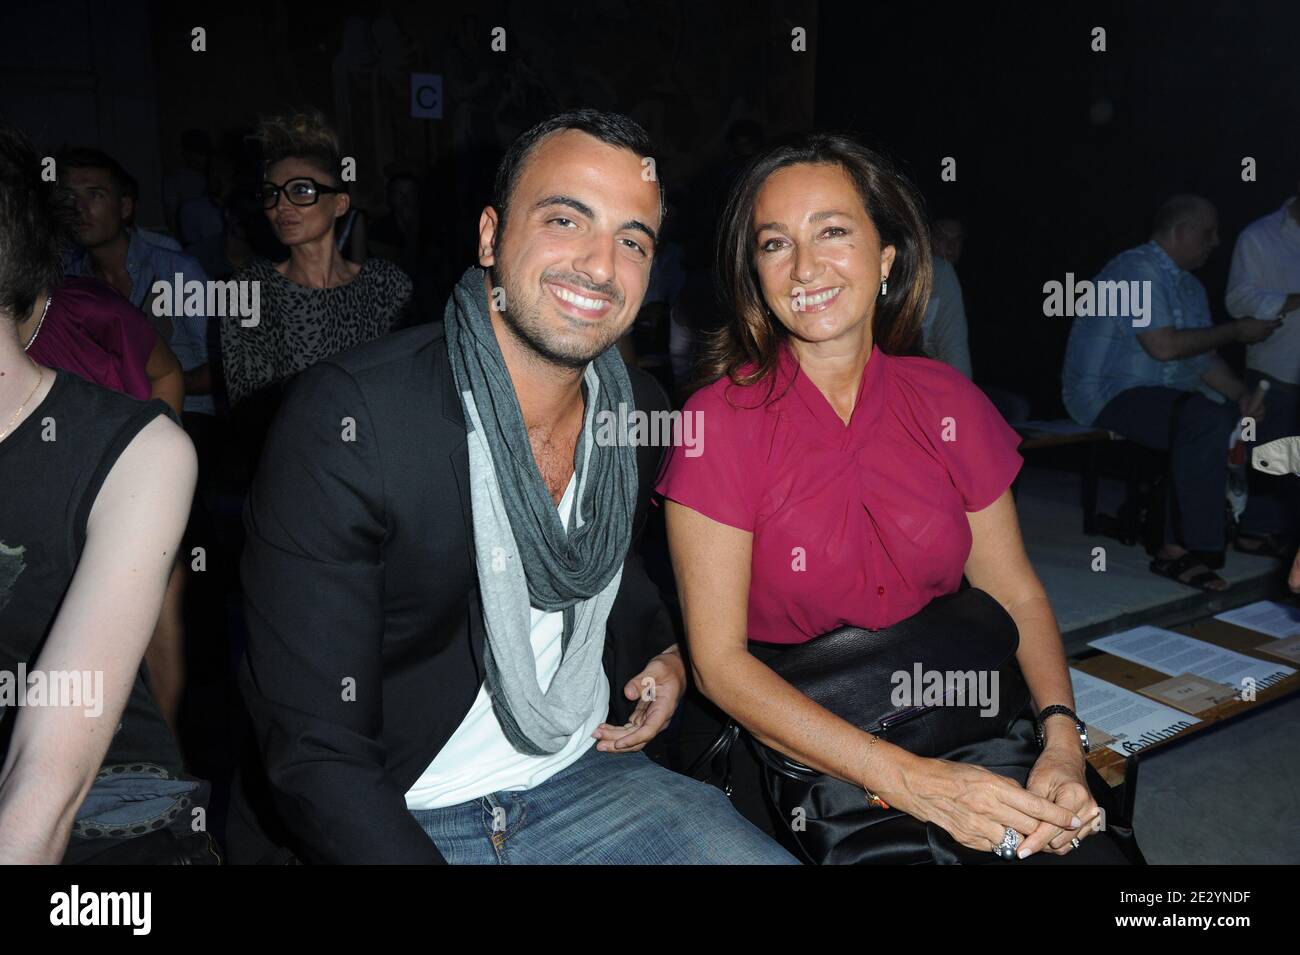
[[478, 759]]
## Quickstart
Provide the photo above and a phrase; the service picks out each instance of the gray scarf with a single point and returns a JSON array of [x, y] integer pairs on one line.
[[525, 556]]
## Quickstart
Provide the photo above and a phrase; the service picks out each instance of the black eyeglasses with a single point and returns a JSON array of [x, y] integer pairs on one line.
[[303, 191]]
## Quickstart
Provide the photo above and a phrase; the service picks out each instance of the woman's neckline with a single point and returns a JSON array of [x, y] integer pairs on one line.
[[274, 267], [865, 405]]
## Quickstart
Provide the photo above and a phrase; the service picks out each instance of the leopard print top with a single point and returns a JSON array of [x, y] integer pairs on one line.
[[299, 326]]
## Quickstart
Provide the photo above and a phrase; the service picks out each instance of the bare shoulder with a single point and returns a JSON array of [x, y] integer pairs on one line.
[[157, 469], [161, 441]]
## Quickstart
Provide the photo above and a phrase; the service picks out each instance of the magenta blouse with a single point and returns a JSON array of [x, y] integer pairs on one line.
[[857, 525], [94, 332]]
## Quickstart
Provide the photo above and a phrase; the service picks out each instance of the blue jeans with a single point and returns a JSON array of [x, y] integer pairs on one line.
[[605, 809]]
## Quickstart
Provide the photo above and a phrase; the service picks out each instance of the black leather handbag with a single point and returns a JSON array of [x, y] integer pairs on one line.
[[858, 675], [953, 666]]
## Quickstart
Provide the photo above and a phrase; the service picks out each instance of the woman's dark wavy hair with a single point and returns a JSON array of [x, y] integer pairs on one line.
[[752, 334]]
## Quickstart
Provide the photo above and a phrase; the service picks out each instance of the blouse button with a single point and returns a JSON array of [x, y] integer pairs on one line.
[[880, 591]]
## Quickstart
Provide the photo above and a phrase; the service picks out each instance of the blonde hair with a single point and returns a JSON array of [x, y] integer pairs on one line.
[[302, 135]]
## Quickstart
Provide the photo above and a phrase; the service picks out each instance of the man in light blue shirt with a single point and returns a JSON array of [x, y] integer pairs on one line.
[[132, 261], [1148, 370]]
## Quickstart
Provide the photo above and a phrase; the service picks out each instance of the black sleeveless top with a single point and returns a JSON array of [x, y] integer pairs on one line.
[[51, 469]]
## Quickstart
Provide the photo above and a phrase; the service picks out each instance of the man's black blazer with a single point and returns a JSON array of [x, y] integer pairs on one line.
[[365, 646]]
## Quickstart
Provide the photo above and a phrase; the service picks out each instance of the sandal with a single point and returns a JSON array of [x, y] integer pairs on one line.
[[1175, 567], [1266, 545]]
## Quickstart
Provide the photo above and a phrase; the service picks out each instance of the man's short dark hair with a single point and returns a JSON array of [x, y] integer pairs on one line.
[[613, 129], [32, 231], [85, 157]]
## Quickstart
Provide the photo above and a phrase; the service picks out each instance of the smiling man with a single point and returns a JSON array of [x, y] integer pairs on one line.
[[454, 654]]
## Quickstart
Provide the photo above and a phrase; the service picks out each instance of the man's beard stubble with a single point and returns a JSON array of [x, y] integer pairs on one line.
[[523, 318]]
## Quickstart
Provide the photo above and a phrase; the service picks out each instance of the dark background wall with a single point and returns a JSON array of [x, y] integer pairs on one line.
[[78, 71], [1063, 154]]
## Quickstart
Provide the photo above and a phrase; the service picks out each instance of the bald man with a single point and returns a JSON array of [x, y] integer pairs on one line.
[[1158, 381]]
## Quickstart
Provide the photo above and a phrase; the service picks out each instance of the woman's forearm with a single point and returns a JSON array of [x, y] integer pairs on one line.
[[781, 717], [36, 814], [999, 566], [1042, 660]]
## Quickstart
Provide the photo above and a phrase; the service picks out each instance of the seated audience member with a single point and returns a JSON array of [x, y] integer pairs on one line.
[[823, 450], [399, 234], [84, 326], [201, 220], [406, 236], [94, 492], [947, 238], [944, 335], [949, 341], [109, 248], [650, 335], [104, 195], [950, 335], [316, 303], [1150, 373], [1264, 284], [190, 179], [454, 654]]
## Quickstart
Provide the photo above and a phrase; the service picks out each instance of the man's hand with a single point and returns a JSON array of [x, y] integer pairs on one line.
[[659, 687], [1252, 404], [1253, 330]]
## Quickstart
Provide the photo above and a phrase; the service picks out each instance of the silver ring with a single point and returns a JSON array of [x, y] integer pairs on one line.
[[1074, 841], [1006, 849]]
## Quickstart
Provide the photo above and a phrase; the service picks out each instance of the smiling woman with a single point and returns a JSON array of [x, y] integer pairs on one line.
[[877, 208], [851, 484]]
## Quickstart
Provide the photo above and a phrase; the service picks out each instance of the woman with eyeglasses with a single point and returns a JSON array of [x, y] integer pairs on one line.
[[316, 303]]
